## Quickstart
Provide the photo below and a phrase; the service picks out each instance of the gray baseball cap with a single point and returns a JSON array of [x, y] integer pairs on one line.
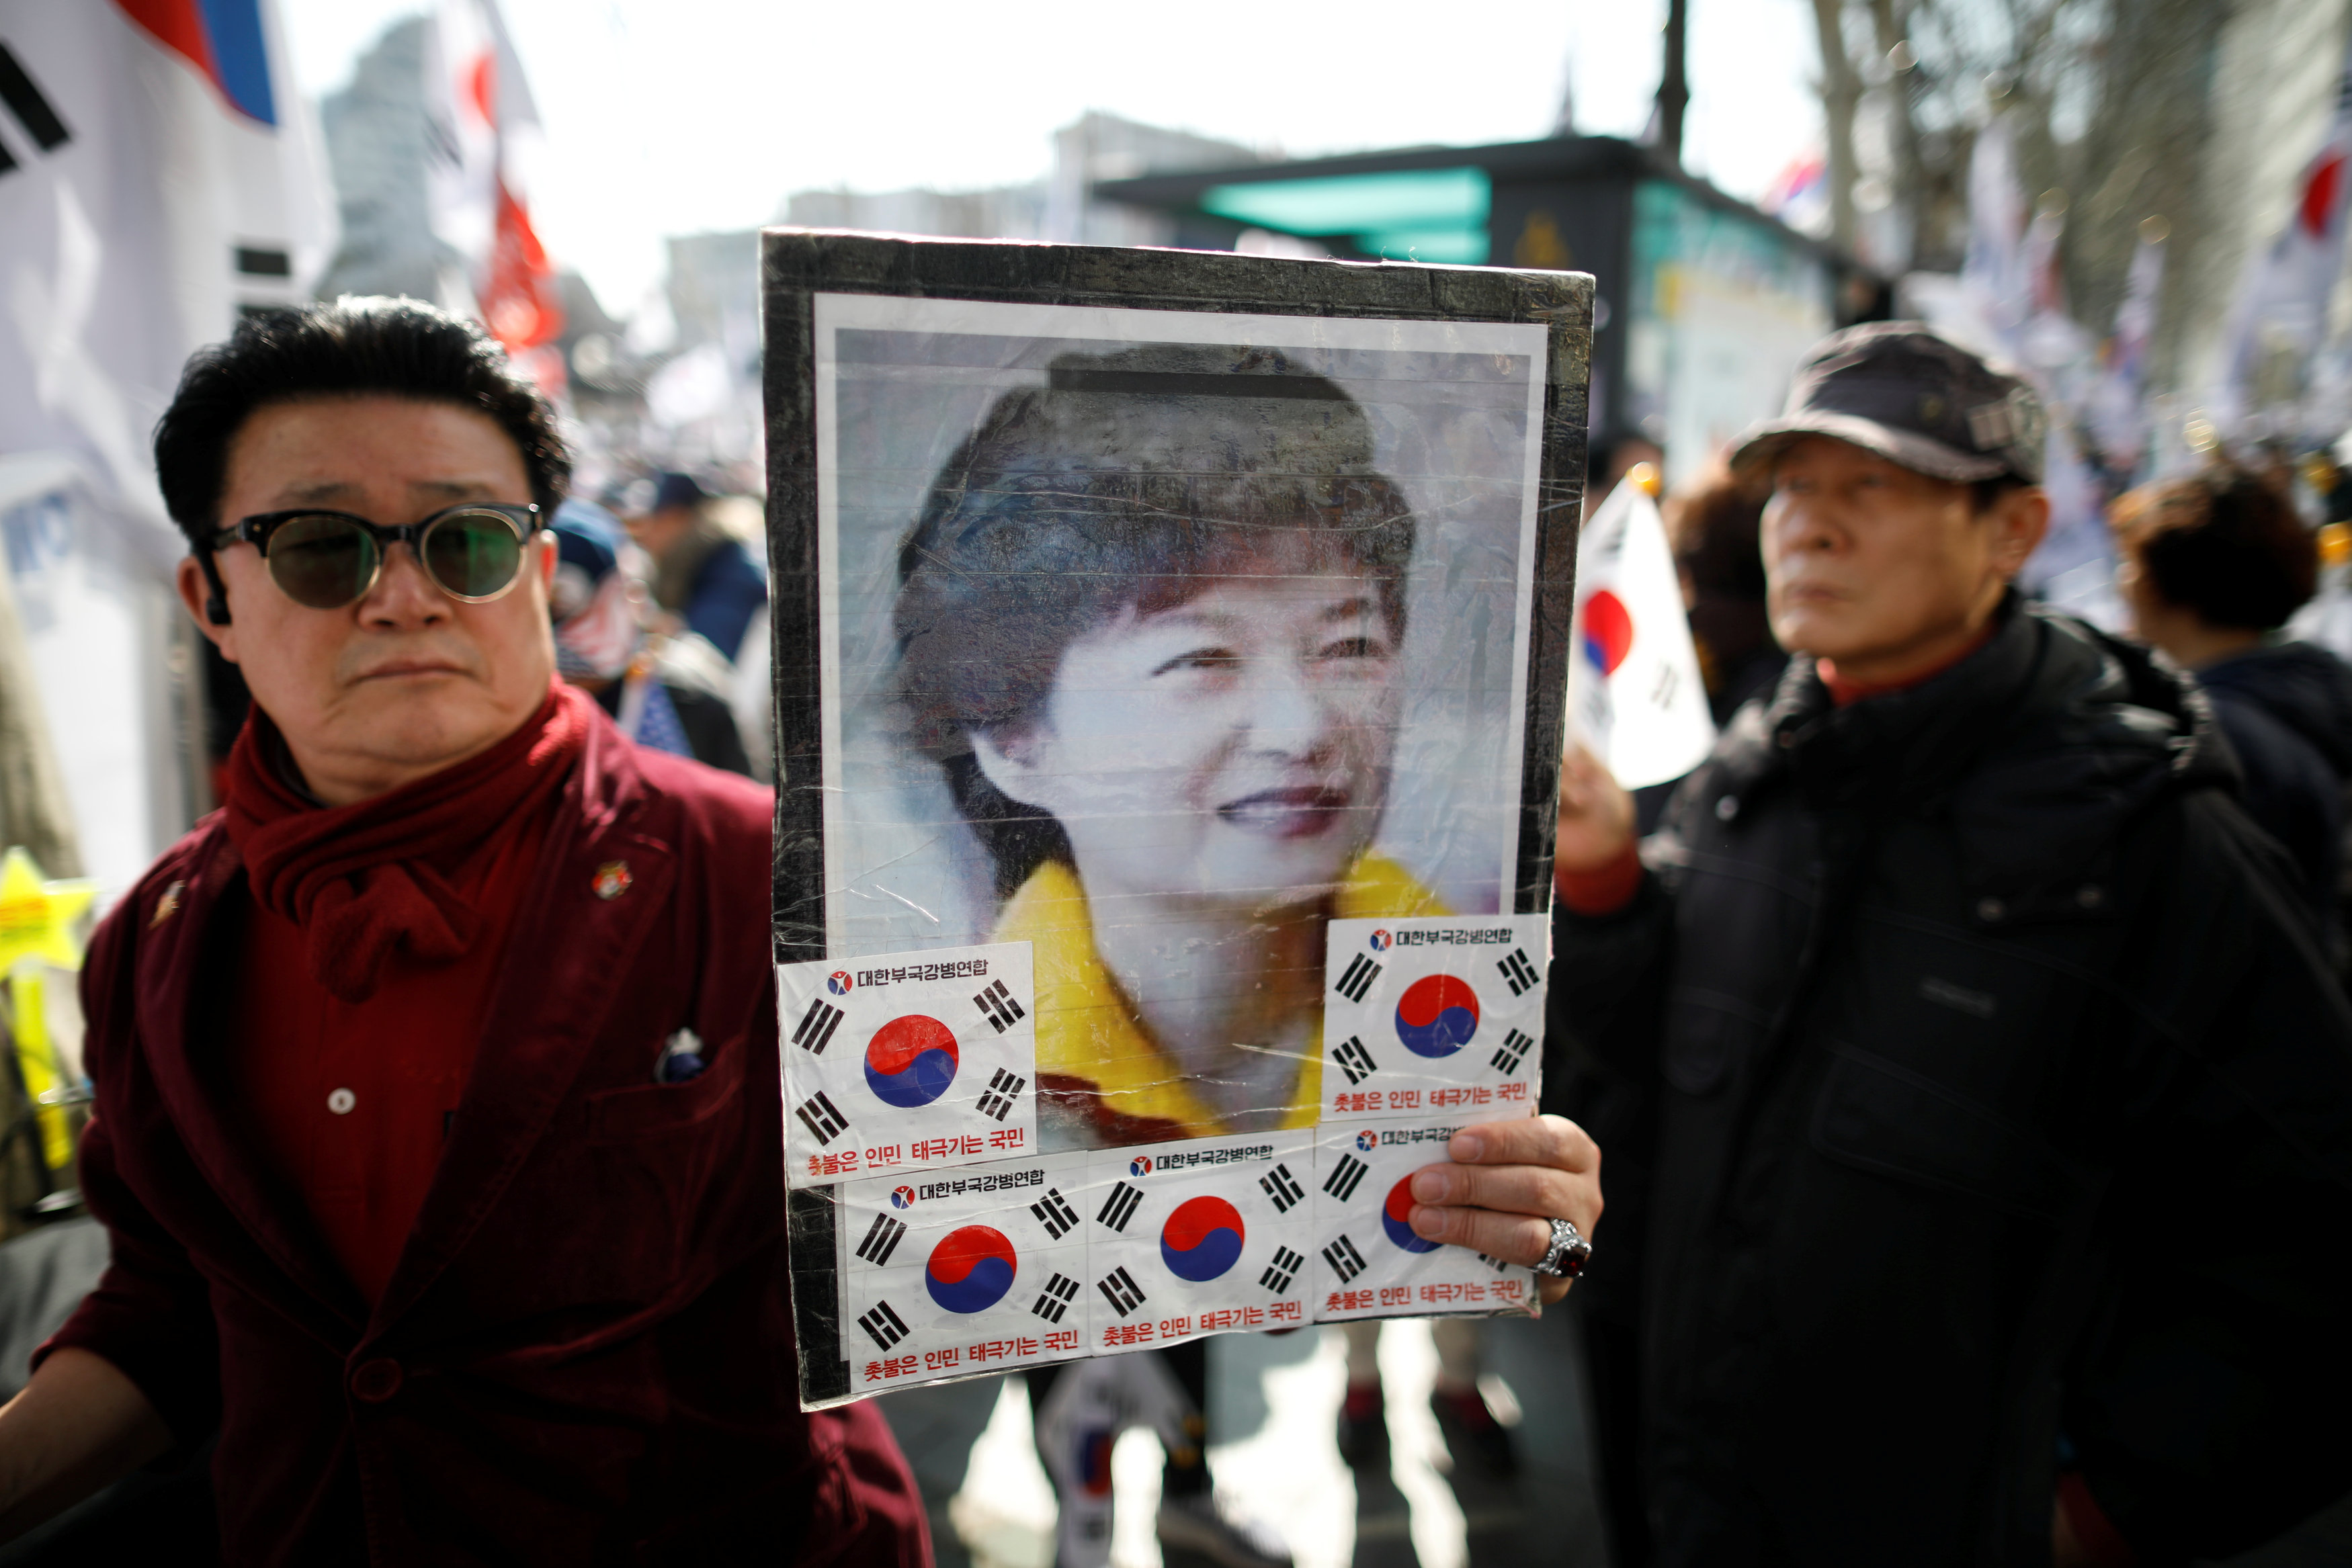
[[1896, 389]]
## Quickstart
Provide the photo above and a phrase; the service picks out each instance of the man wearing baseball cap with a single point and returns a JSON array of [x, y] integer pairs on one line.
[[1997, 1108]]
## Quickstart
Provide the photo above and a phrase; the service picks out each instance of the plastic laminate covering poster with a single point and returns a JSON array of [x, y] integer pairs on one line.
[[1170, 650]]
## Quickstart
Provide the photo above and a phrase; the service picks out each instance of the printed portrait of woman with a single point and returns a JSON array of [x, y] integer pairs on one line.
[[1149, 626]]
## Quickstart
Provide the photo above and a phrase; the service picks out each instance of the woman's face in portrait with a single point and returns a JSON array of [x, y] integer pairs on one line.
[[1232, 749]]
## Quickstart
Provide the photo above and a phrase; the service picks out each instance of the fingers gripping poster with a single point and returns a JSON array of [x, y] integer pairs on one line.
[[1170, 657]]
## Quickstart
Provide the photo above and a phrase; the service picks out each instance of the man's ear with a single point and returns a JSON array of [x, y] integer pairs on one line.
[[207, 604], [1011, 761], [2020, 519]]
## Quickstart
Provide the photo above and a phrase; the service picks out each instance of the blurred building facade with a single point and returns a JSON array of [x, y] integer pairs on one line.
[[377, 143], [1705, 303]]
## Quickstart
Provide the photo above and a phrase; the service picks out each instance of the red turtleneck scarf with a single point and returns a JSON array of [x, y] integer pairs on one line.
[[369, 958]]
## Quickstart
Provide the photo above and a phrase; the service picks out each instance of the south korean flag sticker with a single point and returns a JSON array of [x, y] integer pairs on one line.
[[907, 1061], [1208, 1236], [961, 1272], [1433, 1014], [1368, 1261]]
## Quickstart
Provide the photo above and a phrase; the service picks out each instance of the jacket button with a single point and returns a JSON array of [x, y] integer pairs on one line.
[[1726, 808], [1991, 909], [2089, 896], [376, 1381]]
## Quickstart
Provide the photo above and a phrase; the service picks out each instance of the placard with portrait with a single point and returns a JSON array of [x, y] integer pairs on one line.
[[1169, 652]]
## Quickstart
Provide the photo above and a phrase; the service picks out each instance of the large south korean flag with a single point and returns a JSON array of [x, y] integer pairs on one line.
[[907, 1061], [1635, 697]]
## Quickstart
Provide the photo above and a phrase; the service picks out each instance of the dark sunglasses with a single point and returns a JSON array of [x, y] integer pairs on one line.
[[325, 560]]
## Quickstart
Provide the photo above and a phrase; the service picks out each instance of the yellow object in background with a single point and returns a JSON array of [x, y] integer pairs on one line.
[[2336, 544], [36, 929], [38, 1063], [37, 917]]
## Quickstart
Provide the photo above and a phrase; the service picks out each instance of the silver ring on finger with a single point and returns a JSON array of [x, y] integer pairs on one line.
[[1568, 1253]]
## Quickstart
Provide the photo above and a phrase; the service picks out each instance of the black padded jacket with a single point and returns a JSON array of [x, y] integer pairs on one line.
[[2000, 1102]]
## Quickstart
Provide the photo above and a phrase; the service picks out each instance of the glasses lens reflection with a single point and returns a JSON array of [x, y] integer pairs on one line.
[[322, 562], [473, 555]]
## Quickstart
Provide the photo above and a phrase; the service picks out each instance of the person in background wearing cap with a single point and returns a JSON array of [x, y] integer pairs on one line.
[[660, 696], [704, 575], [2004, 1139]]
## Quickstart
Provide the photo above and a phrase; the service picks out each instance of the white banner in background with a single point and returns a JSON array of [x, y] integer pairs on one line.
[[157, 172], [2281, 306], [154, 175]]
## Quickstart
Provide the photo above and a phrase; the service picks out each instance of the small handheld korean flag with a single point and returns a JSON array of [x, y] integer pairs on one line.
[[1368, 1261], [1436, 1014], [1634, 694], [907, 1061]]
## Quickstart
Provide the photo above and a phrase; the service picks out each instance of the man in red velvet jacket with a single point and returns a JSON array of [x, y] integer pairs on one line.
[[437, 1074], [438, 1128]]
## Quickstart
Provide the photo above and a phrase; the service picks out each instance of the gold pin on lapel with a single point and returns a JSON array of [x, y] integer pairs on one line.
[[168, 904], [613, 879]]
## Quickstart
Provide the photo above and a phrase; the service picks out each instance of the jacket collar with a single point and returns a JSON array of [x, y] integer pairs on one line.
[[2037, 746]]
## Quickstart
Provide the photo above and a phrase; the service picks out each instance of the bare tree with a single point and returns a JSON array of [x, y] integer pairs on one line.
[[1840, 90], [2106, 98]]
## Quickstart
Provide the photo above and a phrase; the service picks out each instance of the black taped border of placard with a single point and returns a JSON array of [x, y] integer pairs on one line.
[[796, 264]]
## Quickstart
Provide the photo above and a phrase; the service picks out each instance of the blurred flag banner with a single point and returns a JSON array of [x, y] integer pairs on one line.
[[158, 175], [2280, 316], [485, 137]]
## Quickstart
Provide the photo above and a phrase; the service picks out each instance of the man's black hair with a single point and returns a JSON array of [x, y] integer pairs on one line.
[[354, 346]]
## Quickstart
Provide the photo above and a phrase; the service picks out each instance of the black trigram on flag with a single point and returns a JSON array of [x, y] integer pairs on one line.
[[1345, 1177], [1282, 1187], [882, 1239], [886, 1327], [1354, 1060], [996, 1100], [1119, 1289], [1055, 1299], [821, 1117], [1121, 1206], [1345, 1261], [1496, 1264], [817, 1025], [1512, 1052], [1055, 1213], [997, 1006], [1518, 973], [1282, 1270], [1358, 977]]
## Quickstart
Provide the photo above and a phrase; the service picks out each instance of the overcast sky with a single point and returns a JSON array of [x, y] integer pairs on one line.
[[675, 115]]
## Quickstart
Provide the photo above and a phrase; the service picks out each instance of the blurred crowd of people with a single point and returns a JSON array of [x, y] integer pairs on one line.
[[1966, 1036]]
